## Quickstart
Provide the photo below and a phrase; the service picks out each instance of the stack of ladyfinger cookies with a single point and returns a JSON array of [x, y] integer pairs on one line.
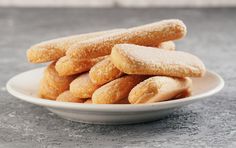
[[120, 66]]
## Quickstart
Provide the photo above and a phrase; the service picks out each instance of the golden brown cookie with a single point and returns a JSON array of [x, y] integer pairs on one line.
[[105, 71], [123, 101], [68, 66], [146, 35], [52, 84], [159, 88], [54, 49], [83, 87], [116, 90], [66, 96], [134, 59]]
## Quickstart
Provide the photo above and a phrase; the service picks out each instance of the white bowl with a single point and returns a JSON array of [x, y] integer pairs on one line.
[[25, 85]]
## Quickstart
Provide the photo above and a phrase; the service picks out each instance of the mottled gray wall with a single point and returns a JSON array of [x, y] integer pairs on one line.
[[120, 3]]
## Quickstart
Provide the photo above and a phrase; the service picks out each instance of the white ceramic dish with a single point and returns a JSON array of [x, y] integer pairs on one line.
[[24, 86]]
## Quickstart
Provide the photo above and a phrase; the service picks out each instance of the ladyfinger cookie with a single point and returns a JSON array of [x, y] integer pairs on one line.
[[54, 49], [147, 35], [68, 66], [123, 101], [105, 71], [134, 59], [83, 87], [158, 88], [66, 96], [116, 90], [52, 84]]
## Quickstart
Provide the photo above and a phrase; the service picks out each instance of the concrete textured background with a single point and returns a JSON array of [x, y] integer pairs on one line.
[[209, 123]]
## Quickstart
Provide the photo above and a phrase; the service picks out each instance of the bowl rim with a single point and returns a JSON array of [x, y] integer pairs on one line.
[[111, 107]]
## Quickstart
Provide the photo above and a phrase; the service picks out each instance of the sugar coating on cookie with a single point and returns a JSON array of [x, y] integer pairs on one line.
[[116, 90], [104, 71], [159, 88], [54, 49], [66, 96], [52, 84], [69, 66], [83, 87], [134, 59], [146, 35]]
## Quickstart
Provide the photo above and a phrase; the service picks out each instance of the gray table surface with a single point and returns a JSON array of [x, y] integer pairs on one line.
[[209, 123]]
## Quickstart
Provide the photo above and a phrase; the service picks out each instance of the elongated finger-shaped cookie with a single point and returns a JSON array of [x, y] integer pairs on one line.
[[123, 101], [54, 49], [68, 66], [52, 84], [116, 90], [105, 71], [158, 88], [83, 87], [147, 35], [134, 59], [66, 96]]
